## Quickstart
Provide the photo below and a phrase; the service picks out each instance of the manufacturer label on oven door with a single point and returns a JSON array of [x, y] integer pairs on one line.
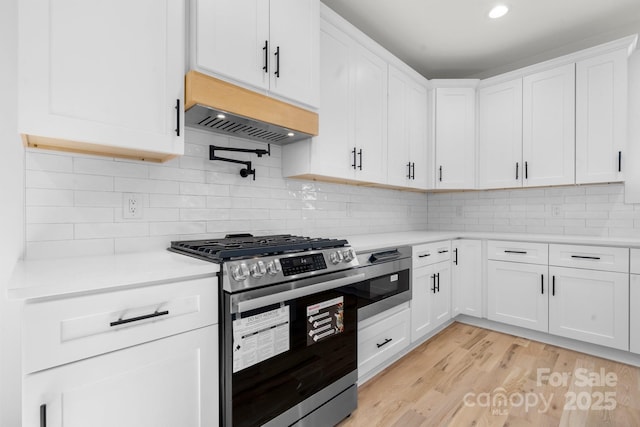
[[260, 337], [324, 320]]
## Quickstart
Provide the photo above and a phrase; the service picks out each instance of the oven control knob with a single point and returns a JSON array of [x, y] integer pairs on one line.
[[240, 272], [335, 257], [348, 255], [274, 267], [258, 269]]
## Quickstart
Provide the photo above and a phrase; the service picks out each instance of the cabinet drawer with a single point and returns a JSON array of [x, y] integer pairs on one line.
[[635, 261], [64, 330], [531, 253], [383, 339], [591, 257], [431, 253]]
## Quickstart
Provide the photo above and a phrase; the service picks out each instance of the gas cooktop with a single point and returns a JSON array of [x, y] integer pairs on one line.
[[238, 246]]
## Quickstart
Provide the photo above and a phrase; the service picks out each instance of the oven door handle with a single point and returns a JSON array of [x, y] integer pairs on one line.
[[279, 297]]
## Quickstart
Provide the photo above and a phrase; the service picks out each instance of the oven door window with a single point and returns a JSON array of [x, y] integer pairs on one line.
[[319, 349]]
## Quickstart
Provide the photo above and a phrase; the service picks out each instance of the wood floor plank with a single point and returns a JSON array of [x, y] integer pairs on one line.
[[469, 376]]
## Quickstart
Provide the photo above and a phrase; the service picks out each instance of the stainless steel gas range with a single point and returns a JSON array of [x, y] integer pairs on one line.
[[288, 353]]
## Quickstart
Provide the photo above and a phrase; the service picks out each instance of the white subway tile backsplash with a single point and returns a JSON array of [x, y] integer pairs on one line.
[[48, 197], [48, 162], [44, 232], [151, 186], [67, 181], [111, 167], [110, 230], [98, 198], [69, 248], [67, 215], [176, 201]]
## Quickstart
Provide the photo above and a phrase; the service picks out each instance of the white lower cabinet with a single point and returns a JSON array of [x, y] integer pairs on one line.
[[634, 314], [431, 301], [169, 382], [517, 294], [381, 337], [590, 306], [466, 277]]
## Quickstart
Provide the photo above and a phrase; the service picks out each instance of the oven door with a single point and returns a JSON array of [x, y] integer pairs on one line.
[[294, 348]]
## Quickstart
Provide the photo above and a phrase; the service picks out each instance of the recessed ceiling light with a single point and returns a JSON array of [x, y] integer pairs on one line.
[[498, 11], [221, 116], [290, 134]]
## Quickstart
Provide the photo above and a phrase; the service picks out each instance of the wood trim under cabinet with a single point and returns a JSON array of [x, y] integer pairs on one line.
[[209, 91]]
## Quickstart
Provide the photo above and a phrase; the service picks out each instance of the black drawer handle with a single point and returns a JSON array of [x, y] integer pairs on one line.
[[542, 283], [43, 415], [455, 261], [135, 319], [387, 341], [424, 255], [585, 257], [444, 251], [553, 286], [516, 252]]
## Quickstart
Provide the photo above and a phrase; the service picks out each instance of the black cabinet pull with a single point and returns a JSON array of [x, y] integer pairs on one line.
[[277, 54], [440, 173], [424, 255], [455, 260], [433, 276], [542, 284], [178, 117], [526, 170], [354, 158], [438, 275], [619, 161], [409, 166], [387, 341], [553, 286], [135, 319], [360, 156], [43, 415], [413, 174], [265, 67], [516, 252], [585, 257], [444, 251], [517, 167]]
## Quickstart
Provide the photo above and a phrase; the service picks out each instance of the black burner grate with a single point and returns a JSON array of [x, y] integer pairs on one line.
[[219, 250]]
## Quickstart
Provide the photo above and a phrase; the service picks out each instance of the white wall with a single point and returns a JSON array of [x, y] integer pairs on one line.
[[74, 202], [11, 216]]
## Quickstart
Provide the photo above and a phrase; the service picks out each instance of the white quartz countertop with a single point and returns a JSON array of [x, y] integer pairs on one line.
[[365, 242], [68, 276]]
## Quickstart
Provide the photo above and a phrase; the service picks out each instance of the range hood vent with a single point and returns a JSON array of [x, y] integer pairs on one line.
[[221, 107]]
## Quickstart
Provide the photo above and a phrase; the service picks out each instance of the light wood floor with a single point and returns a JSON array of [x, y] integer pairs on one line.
[[453, 379]]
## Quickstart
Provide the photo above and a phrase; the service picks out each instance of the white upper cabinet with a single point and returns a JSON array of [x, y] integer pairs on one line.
[[407, 131], [352, 141], [500, 135], [601, 117], [455, 138], [270, 45], [103, 77], [549, 127]]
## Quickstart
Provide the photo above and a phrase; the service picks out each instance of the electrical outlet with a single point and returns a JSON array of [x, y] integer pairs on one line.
[[458, 211], [556, 210], [131, 206]]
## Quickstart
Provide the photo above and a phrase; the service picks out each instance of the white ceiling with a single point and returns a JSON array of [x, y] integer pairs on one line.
[[456, 39]]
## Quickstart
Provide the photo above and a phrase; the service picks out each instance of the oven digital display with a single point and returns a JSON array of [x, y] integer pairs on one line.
[[302, 264]]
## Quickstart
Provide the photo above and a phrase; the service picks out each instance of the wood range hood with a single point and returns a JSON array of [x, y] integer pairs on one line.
[[221, 107]]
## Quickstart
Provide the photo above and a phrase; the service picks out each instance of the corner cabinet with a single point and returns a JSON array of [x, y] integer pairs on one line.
[[454, 137], [102, 77], [407, 132], [269, 45], [352, 141]]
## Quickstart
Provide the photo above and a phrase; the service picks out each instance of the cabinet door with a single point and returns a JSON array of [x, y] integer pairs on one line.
[[417, 135], [601, 117], [455, 143], [294, 32], [424, 286], [590, 306], [231, 36], [517, 294], [500, 135], [370, 115], [398, 172], [634, 313], [466, 278], [441, 306], [548, 141], [169, 382], [103, 74]]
